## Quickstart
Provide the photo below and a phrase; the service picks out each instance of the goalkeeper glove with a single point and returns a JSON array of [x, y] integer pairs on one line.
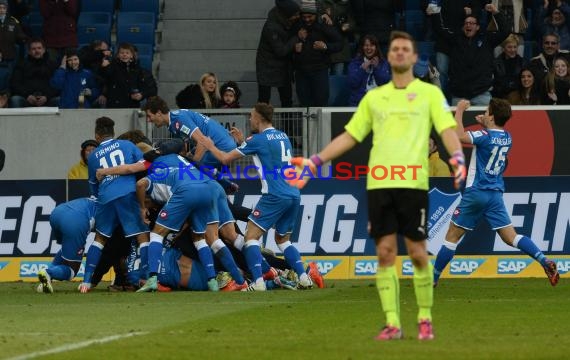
[[457, 162], [297, 177]]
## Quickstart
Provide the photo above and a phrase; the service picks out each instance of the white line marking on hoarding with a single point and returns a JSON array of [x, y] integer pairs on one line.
[[75, 346]]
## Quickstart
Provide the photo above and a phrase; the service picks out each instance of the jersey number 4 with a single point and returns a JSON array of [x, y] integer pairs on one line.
[[117, 158], [285, 154]]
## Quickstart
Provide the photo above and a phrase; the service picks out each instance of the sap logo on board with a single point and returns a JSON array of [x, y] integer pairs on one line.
[[408, 267], [326, 266], [3, 264], [465, 266], [512, 266], [365, 267], [31, 268], [563, 265]]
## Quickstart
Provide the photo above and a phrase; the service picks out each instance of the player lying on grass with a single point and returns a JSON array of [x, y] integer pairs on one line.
[[483, 194]]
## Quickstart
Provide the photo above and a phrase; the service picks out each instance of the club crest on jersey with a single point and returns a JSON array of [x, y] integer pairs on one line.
[[412, 96], [163, 215], [256, 213], [177, 125], [456, 213]]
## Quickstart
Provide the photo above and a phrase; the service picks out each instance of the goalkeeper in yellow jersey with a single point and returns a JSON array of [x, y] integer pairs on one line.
[[400, 114]]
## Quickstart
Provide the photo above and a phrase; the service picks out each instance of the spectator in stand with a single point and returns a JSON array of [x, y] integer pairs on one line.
[[471, 57], [367, 70], [4, 97], [79, 170], [557, 84], [127, 85], [553, 21], [30, 80], [542, 63], [339, 14], [527, 91], [206, 95], [230, 95], [437, 167], [60, 25], [514, 12], [377, 17], [425, 71], [92, 55], [19, 8], [507, 68], [78, 86], [273, 67], [11, 33], [312, 56], [452, 14]]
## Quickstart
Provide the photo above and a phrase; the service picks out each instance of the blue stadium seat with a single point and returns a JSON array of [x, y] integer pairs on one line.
[[136, 34], [529, 50], [88, 18], [339, 91], [93, 26], [4, 77], [34, 5], [141, 5], [106, 6], [129, 18], [427, 48], [415, 24], [144, 49], [145, 61], [413, 5]]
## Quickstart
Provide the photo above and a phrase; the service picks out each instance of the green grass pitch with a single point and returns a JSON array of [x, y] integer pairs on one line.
[[473, 319]]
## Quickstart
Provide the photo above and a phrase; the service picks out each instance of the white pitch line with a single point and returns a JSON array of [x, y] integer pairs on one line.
[[75, 346]]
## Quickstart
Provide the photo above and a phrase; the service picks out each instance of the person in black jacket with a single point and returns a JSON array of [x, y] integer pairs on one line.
[[471, 57], [273, 65], [30, 80], [316, 41], [127, 85], [507, 68]]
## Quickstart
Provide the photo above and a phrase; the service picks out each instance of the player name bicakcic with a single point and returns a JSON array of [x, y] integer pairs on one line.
[[340, 171]]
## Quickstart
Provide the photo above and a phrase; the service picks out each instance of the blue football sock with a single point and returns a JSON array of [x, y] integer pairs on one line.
[[264, 265], [225, 256], [60, 272], [206, 258], [93, 256], [252, 253], [526, 245], [443, 258], [154, 255], [292, 257], [143, 267]]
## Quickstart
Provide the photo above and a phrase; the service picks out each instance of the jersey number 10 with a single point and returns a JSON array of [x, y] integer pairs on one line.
[[117, 158]]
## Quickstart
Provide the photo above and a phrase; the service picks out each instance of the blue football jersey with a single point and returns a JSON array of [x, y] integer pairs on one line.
[[184, 122], [271, 151], [169, 171], [83, 206], [488, 160], [112, 153]]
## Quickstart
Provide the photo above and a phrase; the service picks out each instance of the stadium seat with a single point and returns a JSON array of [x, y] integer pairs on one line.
[[413, 5], [339, 91], [415, 23], [141, 6], [136, 34], [105, 6], [4, 77], [145, 61], [93, 26], [130, 18], [529, 50], [144, 49], [427, 48]]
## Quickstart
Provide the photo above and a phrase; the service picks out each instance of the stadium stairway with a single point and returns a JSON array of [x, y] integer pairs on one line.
[[199, 36]]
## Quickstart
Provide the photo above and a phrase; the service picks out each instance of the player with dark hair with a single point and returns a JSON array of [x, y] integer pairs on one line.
[[401, 115], [279, 202], [115, 195], [483, 195], [71, 222]]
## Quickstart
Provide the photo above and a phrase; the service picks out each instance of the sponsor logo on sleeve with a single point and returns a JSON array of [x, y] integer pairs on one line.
[[185, 129]]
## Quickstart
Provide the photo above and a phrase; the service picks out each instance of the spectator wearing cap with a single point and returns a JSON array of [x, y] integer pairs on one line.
[[426, 71], [471, 57], [316, 41], [78, 86], [230, 93], [60, 25], [367, 70], [11, 33], [273, 66], [79, 170]]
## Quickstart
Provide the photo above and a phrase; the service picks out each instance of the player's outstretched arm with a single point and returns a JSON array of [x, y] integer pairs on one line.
[[224, 157], [142, 186], [457, 159], [125, 169], [462, 105]]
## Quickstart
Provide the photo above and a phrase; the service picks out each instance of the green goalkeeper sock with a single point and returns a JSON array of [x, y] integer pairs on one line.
[[423, 285], [388, 287]]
